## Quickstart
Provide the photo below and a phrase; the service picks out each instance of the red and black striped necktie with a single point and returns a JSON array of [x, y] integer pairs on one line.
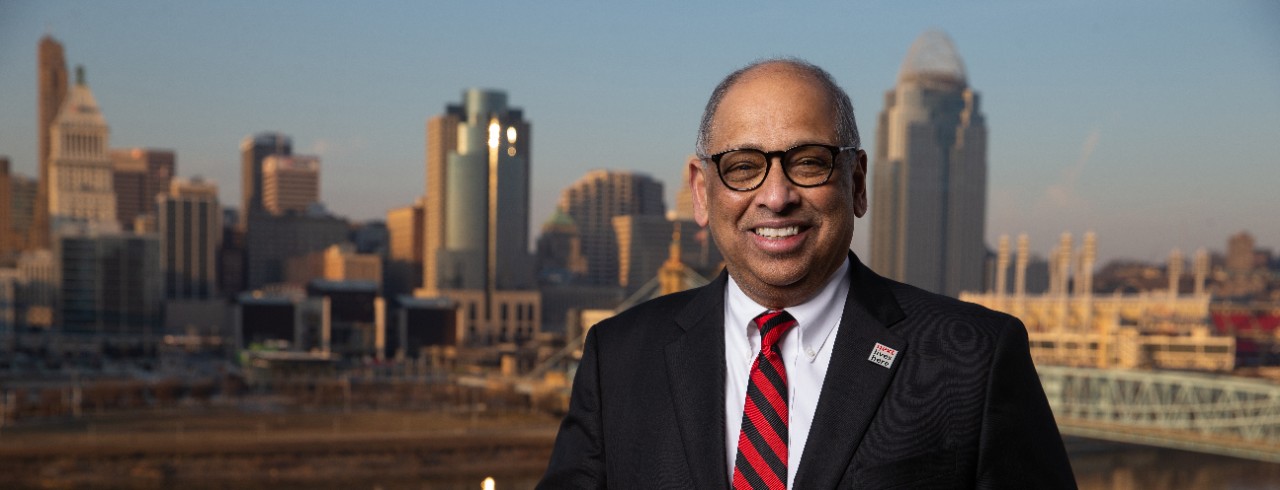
[[762, 445]]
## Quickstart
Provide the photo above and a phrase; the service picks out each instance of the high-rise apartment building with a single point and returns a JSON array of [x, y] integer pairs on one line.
[[139, 175], [190, 222], [290, 183], [930, 178], [51, 78], [477, 215], [594, 200], [80, 172], [253, 149]]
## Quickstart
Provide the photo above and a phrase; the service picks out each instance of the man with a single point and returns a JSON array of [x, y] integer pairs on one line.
[[800, 367]]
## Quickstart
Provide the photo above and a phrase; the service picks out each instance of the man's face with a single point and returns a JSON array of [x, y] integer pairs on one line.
[[781, 242]]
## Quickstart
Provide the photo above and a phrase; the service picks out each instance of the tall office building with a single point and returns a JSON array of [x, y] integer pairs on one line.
[[139, 175], [594, 200], [7, 242], [190, 223], [930, 178], [51, 78], [80, 172], [253, 149], [110, 284], [477, 195], [477, 216], [290, 183]]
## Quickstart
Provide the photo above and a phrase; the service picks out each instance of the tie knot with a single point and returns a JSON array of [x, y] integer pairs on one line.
[[773, 324]]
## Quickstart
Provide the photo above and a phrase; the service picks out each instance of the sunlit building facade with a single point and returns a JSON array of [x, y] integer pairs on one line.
[[290, 183], [81, 186]]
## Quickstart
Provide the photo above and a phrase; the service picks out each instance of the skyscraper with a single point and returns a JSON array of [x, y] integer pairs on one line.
[[190, 222], [930, 177], [477, 216], [7, 242], [594, 200], [139, 175], [80, 172], [477, 212], [52, 85], [253, 149], [290, 183]]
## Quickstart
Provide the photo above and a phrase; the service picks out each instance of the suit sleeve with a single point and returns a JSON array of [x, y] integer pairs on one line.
[[1020, 443], [577, 460]]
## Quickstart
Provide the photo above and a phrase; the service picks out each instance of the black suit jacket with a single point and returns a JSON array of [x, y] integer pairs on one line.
[[961, 405]]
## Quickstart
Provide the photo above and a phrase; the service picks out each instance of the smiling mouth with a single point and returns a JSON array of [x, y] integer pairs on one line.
[[778, 232]]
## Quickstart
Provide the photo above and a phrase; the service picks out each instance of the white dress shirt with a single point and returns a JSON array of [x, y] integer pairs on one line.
[[806, 352]]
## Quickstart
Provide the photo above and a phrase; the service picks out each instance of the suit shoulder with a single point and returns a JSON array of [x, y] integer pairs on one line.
[[924, 306]]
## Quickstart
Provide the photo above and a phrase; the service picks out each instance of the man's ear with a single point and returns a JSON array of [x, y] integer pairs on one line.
[[860, 184], [698, 185]]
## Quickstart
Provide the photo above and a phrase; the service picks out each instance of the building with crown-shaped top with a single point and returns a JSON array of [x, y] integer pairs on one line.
[[81, 171], [929, 188]]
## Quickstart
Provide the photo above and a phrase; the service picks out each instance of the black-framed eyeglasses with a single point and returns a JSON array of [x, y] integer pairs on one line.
[[805, 165]]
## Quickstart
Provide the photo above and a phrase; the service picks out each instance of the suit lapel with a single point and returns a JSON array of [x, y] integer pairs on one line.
[[695, 372], [854, 386]]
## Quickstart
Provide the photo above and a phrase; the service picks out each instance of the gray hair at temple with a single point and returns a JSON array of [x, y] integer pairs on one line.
[[846, 126]]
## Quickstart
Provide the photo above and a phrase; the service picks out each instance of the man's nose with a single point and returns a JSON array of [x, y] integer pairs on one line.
[[777, 192]]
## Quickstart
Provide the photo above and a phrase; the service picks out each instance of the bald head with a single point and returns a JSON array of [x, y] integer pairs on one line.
[[842, 107]]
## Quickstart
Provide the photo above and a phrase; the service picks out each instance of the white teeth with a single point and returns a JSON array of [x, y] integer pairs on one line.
[[778, 232]]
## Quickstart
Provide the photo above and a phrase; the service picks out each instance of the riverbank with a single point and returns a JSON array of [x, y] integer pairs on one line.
[[434, 450], [223, 449]]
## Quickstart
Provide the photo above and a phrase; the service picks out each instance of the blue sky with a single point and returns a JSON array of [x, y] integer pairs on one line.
[[1154, 124]]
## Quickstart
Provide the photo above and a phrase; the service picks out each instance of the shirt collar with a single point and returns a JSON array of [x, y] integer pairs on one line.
[[815, 319]]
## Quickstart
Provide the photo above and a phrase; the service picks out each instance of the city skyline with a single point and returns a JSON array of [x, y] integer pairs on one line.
[[1102, 117]]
